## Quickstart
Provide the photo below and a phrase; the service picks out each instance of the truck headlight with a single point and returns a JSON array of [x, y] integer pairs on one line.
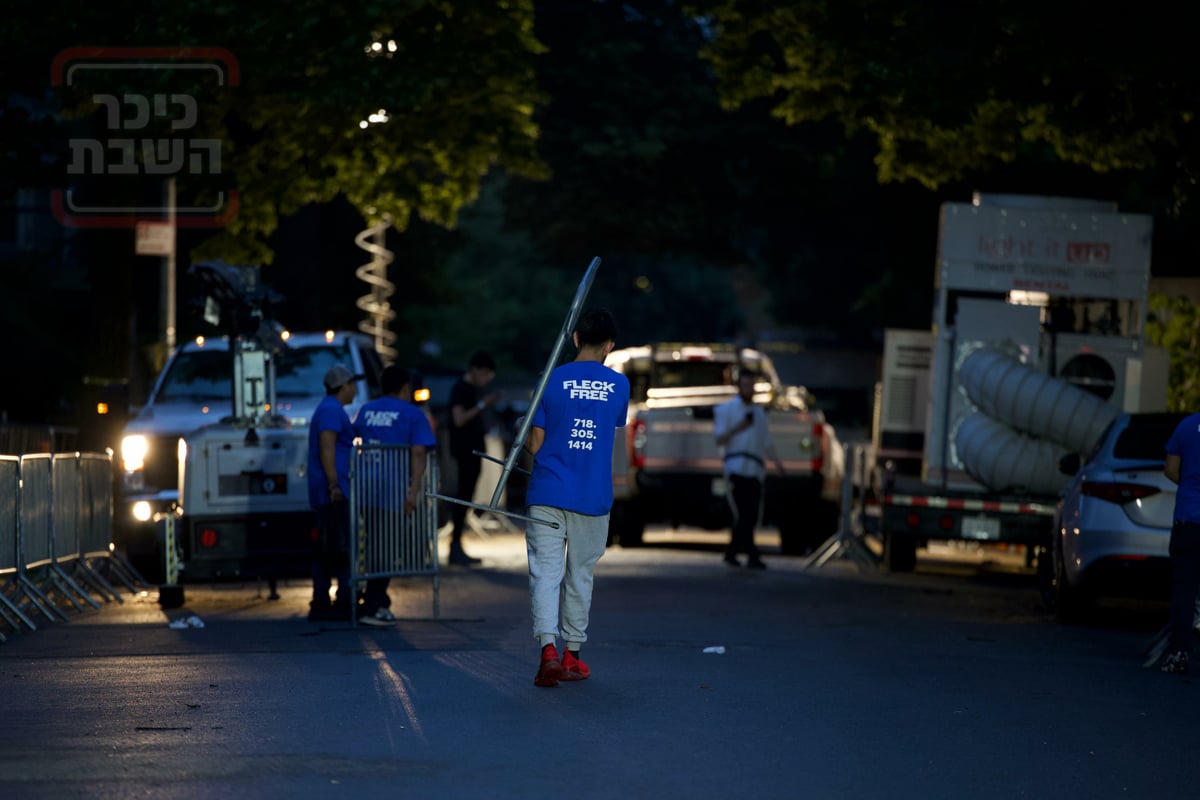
[[133, 452], [142, 511]]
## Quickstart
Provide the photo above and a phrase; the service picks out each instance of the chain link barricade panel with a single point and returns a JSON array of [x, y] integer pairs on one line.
[[66, 492], [37, 489], [64, 509], [10, 487], [93, 528], [11, 575], [389, 543], [34, 547], [96, 503]]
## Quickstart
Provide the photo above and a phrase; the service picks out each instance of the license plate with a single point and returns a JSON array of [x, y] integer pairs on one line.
[[983, 528], [718, 487]]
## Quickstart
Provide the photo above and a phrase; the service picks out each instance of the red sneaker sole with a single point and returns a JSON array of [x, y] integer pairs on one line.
[[548, 675]]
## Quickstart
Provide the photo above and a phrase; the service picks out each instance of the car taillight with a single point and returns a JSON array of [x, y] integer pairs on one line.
[[817, 443], [637, 443], [1119, 493]]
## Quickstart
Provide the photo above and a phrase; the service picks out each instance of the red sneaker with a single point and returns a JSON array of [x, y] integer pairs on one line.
[[550, 670], [573, 668]]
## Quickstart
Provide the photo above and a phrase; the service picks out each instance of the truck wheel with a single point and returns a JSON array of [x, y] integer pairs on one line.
[[899, 553], [626, 523]]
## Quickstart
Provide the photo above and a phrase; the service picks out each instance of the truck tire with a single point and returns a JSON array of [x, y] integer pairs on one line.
[[899, 553], [626, 523]]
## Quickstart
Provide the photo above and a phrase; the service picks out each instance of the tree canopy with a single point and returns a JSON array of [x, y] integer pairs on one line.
[[688, 143], [948, 90], [402, 106], [1174, 325]]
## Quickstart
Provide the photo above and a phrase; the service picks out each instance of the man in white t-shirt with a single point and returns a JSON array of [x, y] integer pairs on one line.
[[740, 427]]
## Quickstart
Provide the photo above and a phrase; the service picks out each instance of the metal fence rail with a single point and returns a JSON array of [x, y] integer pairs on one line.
[[387, 541], [55, 532]]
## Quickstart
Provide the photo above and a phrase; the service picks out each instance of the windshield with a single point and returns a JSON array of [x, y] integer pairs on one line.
[[200, 375], [300, 371], [207, 375]]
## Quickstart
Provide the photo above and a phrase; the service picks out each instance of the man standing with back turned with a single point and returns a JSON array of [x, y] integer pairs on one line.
[[571, 440], [1182, 466], [392, 420]]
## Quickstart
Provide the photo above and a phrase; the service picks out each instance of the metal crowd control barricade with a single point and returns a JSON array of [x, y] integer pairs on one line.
[[66, 515], [386, 542], [849, 539], [11, 587], [518, 445], [35, 546], [94, 539]]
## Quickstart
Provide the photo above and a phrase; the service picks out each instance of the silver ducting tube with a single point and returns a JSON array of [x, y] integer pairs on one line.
[[1033, 402], [1006, 460]]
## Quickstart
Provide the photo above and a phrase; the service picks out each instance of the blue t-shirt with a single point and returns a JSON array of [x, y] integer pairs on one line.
[[329, 416], [391, 421], [583, 405], [1185, 443]]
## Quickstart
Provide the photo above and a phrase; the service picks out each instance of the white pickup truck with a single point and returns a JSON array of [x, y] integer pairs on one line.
[[667, 468]]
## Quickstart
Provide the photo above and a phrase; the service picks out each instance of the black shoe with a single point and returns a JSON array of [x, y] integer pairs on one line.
[[329, 614], [756, 563], [459, 557], [731, 560]]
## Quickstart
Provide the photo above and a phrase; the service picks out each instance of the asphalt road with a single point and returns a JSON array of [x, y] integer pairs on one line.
[[834, 683]]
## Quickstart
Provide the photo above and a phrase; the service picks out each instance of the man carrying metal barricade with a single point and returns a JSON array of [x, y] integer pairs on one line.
[[388, 476], [562, 429]]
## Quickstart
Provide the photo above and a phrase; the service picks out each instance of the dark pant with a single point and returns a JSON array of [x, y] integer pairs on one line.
[[1185, 582], [331, 555], [469, 468], [747, 494]]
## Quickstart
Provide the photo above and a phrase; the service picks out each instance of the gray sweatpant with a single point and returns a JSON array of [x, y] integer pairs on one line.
[[561, 562]]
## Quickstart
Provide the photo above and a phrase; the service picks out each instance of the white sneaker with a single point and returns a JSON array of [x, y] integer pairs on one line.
[[380, 619]]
